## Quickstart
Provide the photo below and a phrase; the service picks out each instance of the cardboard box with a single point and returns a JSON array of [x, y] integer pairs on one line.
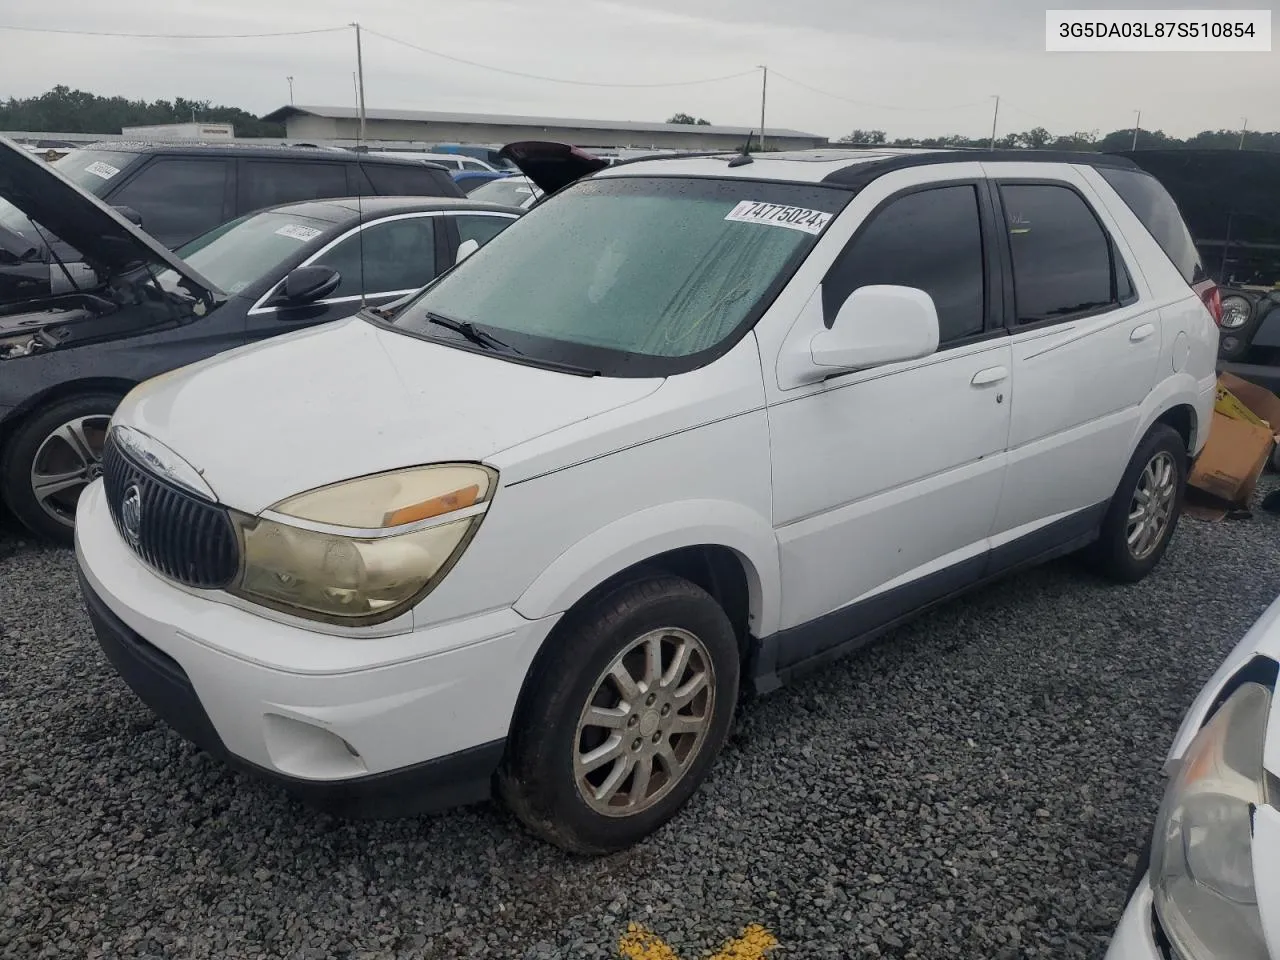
[[1233, 457], [1261, 402], [1230, 405]]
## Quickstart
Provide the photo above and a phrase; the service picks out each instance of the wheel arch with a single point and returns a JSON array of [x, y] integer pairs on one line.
[[694, 538], [58, 392], [1178, 402]]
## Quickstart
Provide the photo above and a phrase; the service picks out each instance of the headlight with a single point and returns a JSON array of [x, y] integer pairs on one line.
[[1236, 312], [1202, 849], [365, 550]]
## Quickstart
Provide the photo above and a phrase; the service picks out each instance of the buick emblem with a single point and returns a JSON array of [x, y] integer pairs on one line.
[[131, 513]]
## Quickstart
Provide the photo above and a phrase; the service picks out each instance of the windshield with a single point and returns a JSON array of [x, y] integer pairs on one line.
[[632, 276], [510, 191], [243, 251], [92, 170]]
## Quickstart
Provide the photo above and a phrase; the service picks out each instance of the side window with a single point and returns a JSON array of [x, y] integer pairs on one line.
[[1062, 258], [397, 255], [178, 199], [480, 229], [402, 179], [268, 182], [1151, 203], [932, 240], [473, 165]]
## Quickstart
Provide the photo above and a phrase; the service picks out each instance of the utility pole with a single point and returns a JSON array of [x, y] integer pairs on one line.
[[1243, 130], [994, 117], [1137, 125], [360, 82], [290, 79], [764, 91]]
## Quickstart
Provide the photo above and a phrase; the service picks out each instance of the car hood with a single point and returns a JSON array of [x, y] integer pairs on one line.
[[105, 239], [551, 165], [351, 398]]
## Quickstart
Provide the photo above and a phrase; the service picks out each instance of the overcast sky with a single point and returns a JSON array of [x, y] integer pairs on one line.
[[921, 66]]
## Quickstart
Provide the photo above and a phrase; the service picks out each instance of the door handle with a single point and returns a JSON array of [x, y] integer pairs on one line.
[[1141, 332], [989, 375]]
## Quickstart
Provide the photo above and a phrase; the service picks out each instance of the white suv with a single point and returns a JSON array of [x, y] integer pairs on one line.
[[691, 425]]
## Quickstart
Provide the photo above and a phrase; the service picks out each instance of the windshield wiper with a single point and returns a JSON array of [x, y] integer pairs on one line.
[[471, 332]]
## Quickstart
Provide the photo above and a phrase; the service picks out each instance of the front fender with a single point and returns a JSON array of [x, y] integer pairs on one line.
[[648, 533]]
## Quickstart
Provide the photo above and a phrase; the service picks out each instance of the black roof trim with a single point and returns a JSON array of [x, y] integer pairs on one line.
[[861, 173]]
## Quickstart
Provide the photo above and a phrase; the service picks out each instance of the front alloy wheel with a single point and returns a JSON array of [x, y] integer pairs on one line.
[[68, 460], [648, 717], [623, 714], [51, 456]]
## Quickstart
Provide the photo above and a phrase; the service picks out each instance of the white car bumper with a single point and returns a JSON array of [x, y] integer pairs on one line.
[[1134, 938], [377, 725]]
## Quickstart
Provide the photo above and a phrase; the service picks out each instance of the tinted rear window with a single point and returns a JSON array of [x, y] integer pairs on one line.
[[1151, 203], [407, 180]]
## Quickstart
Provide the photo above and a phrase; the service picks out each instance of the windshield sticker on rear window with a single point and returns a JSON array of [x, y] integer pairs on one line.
[[777, 215], [298, 232], [104, 170]]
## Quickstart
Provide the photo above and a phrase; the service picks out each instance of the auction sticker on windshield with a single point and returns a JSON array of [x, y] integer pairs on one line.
[[104, 170], [778, 215], [297, 232]]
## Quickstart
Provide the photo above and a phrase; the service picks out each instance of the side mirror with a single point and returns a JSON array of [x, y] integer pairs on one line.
[[878, 324], [130, 214], [465, 249], [309, 284]]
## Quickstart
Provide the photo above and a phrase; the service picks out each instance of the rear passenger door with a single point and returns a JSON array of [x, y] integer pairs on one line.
[[179, 198], [1085, 350], [265, 183]]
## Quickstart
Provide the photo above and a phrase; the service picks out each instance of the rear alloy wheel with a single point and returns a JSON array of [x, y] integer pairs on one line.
[[51, 458], [623, 715], [1144, 511]]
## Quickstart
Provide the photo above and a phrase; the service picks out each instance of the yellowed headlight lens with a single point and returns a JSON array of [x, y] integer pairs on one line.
[[342, 579], [391, 499], [354, 573]]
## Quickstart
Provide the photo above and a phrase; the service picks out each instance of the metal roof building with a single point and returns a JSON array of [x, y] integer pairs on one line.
[[342, 125]]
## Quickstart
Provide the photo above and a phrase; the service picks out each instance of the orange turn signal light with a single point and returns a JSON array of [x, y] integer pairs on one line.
[[435, 507]]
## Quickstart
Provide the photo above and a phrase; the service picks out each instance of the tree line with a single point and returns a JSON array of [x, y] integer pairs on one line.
[[63, 110], [1039, 138]]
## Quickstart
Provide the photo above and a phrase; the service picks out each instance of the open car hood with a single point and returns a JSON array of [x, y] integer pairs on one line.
[[550, 165], [107, 241]]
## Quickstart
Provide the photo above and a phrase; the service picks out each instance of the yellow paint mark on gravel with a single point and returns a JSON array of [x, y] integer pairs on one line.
[[641, 944]]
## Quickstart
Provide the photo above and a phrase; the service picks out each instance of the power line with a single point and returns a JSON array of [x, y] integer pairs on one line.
[[878, 106], [534, 76], [172, 36]]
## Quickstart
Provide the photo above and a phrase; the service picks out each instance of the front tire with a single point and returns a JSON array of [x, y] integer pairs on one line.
[[1145, 509], [50, 458], [624, 716]]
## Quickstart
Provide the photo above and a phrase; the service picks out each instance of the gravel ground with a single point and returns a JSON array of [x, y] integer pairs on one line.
[[977, 785]]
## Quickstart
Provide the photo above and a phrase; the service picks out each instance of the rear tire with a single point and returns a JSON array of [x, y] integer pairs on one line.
[[50, 458], [623, 717], [1144, 512]]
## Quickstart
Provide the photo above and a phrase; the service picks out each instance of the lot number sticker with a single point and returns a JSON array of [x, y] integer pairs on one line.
[[777, 215], [104, 170], [297, 232]]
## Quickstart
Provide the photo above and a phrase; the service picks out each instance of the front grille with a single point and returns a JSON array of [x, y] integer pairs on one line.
[[181, 535]]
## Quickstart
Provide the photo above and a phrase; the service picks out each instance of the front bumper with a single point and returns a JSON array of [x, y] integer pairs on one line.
[[1135, 937], [376, 726]]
